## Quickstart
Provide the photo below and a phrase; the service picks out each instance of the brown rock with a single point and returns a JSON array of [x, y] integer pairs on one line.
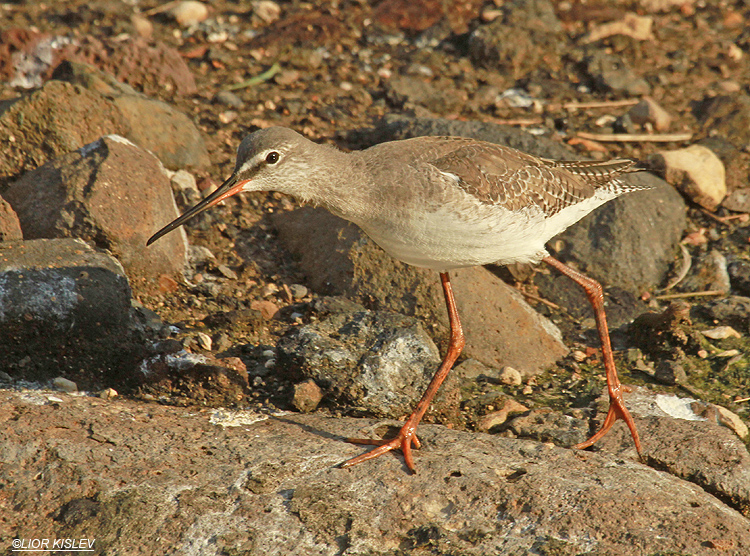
[[501, 329], [50, 122], [111, 193], [10, 227], [696, 172], [307, 396]]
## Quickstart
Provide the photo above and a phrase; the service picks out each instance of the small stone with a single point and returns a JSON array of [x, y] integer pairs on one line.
[[670, 373], [732, 420], [266, 10], [268, 309], [222, 342], [5, 377], [696, 172], [143, 27], [738, 200], [499, 417], [228, 98], [298, 291], [510, 376], [269, 289], [189, 12], [199, 255], [721, 333], [579, 356], [227, 272], [204, 341], [307, 396], [108, 394], [648, 111], [65, 385]]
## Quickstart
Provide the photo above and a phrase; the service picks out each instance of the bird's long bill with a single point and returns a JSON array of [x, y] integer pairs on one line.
[[230, 187]]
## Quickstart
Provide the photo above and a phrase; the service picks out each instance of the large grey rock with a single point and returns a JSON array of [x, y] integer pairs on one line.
[[64, 308], [500, 327], [111, 193], [380, 362], [150, 479]]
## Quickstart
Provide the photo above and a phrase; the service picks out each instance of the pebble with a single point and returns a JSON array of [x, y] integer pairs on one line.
[[501, 416], [648, 111], [269, 289], [228, 98], [227, 272], [108, 394], [199, 255], [670, 373], [307, 396], [266, 10], [721, 333], [732, 420], [298, 291], [189, 12], [696, 172], [510, 376], [204, 341], [64, 385]]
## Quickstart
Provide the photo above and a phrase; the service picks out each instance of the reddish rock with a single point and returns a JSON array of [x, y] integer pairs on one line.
[[10, 227], [111, 193]]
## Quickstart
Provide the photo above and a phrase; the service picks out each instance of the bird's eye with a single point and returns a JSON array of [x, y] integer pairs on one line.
[[272, 157]]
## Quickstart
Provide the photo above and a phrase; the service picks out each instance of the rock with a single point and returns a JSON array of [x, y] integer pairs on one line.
[[423, 15], [696, 172], [152, 68], [64, 309], [380, 362], [739, 276], [546, 425], [496, 418], [610, 72], [231, 470], [307, 396], [671, 373], [647, 111], [510, 376], [58, 118], [108, 394], [188, 12], [228, 98], [298, 291], [65, 385], [408, 92], [631, 25], [733, 310], [93, 193], [151, 124], [528, 34], [738, 200], [266, 10], [732, 421], [721, 333], [709, 272], [185, 378], [10, 227], [677, 438], [500, 327], [142, 26]]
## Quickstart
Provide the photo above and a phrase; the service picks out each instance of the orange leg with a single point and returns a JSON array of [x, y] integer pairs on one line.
[[407, 437], [617, 409]]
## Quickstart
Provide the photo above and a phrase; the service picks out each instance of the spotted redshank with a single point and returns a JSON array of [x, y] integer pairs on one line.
[[441, 203]]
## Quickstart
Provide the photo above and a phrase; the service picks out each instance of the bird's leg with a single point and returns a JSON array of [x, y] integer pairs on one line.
[[617, 409], [407, 435]]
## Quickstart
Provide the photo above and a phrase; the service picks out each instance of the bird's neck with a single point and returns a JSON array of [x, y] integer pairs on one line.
[[342, 187]]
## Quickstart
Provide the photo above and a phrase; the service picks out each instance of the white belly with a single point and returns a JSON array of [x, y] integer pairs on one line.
[[454, 237]]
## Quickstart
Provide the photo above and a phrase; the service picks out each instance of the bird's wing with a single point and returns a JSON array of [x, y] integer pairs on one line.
[[503, 176]]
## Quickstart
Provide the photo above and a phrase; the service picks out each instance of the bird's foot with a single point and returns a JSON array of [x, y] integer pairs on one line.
[[617, 410], [405, 440]]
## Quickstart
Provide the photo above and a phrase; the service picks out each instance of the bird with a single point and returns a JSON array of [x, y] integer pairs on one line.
[[441, 203]]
